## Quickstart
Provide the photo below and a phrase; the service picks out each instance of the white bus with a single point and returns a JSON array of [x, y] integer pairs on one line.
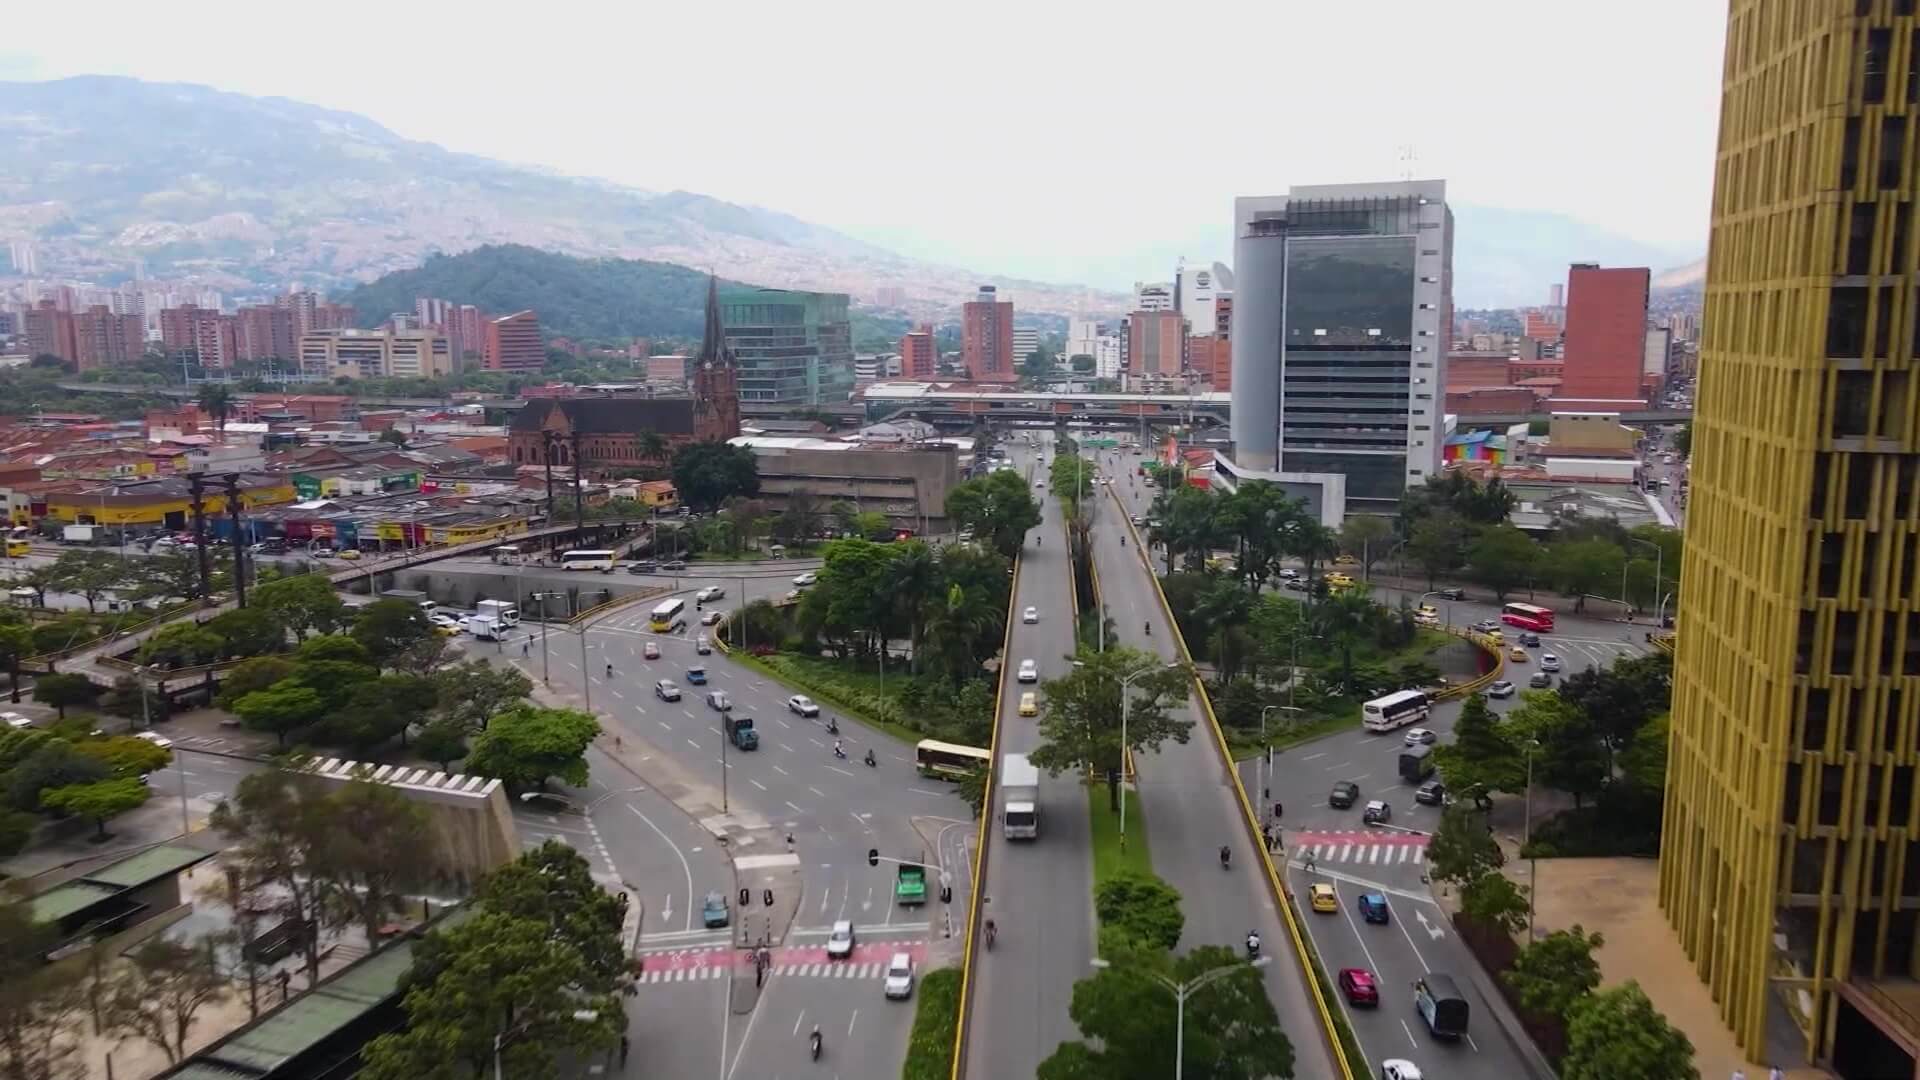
[[587, 560], [1396, 710], [669, 615]]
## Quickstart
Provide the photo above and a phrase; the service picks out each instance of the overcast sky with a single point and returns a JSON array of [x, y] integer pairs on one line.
[[1034, 126]]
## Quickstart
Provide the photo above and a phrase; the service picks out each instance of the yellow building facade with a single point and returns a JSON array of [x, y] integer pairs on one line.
[[1788, 862]]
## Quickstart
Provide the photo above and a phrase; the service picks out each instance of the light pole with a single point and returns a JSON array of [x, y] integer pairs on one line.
[[1126, 704], [1526, 834], [1266, 749], [1660, 617], [1181, 992], [1659, 558]]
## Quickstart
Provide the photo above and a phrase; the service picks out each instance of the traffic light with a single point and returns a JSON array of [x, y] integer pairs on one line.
[[873, 856]]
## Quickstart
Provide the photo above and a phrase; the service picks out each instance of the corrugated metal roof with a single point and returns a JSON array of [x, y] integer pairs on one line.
[[63, 900], [149, 865]]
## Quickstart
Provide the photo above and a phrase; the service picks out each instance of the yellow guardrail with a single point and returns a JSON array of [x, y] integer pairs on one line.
[[1478, 682], [618, 601], [1249, 819], [980, 848], [1664, 642]]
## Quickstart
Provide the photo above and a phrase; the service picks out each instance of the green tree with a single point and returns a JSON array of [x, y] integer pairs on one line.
[[1080, 719], [40, 1003], [912, 577], [378, 710], [524, 746], [90, 573], [1037, 366], [376, 850], [1621, 698], [125, 755], [248, 632], [16, 644], [1582, 568], [99, 800], [301, 604], [707, 474], [281, 709], [1502, 558], [1556, 971], [1483, 757], [1682, 441], [277, 823], [182, 644], [1144, 908], [442, 742], [258, 673], [63, 689], [998, 507], [45, 763], [472, 692], [1438, 544], [387, 628], [1645, 760], [1493, 900], [216, 400], [496, 987], [392, 436], [1571, 752], [1463, 848], [334, 647], [1127, 1015], [553, 884], [16, 829], [1365, 536], [166, 983], [1346, 620], [1617, 1033]]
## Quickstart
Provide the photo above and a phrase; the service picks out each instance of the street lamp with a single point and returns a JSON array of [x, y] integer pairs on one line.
[[1437, 592], [1126, 704], [1266, 749], [1659, 557], [1526, 833], [1181, 992]]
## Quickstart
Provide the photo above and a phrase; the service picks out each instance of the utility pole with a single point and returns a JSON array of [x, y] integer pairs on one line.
[[547, 439], [579, 503], [196, 491], [239, 545]]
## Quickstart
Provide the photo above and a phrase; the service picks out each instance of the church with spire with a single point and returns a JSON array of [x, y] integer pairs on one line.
[[716, 377], [619, 432]]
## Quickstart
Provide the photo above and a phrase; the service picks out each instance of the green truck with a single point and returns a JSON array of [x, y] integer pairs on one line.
[[910, 885], [740, 731]]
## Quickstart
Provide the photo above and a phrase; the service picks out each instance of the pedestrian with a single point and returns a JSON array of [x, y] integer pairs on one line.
[[626, 1044], [1776, 1073]]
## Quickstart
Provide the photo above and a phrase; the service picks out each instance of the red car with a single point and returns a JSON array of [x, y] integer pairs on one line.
[[1358, 985]]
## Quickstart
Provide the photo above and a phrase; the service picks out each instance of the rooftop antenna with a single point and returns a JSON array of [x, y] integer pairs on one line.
[[1407, 157]]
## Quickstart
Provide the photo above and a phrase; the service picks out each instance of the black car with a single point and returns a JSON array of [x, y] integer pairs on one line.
[[1452, 594], [1431, 793], [644, 566], [674, 565], [1530, 639], [1344, 794]]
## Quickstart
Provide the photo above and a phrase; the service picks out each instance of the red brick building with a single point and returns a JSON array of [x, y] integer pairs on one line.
[[919, 355], [49, 332], [1606, 337], [513, 343], [614, 432], [266, 332], [1156, 342], [202, 332], [986, 338], [103, 339]]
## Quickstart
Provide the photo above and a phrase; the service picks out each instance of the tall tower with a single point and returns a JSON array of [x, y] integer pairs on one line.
[[1788, 865], [716, 378]]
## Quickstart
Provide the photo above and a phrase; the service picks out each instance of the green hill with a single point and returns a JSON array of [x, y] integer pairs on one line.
[[593, 299]]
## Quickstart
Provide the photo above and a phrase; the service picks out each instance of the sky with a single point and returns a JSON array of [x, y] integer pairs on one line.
[[959, 132]]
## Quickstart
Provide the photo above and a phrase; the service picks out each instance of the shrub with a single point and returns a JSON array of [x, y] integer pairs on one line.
[[930, 1046]]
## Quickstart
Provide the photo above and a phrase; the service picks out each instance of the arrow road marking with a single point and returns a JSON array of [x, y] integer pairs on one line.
[[1433, 931], [666, 909]]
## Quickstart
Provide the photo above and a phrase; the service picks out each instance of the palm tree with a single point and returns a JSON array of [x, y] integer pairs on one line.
[[1312, 542], [217, 400], [955, 626], [1346, 619], [912, 578]]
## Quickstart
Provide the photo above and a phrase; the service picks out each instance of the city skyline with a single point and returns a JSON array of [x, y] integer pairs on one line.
[[1593, 154]]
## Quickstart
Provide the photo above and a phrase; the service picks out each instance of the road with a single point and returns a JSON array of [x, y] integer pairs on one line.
[[1189, 804], [1041, 891], [690, 1017], [1354, 858]]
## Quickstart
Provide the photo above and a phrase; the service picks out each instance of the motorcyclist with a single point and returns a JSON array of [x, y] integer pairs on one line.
[[1253, 943], [609, 669], [839, 751], [816, 1040], [833, 726], [991, 931], [1149, 626], [1226, 855], [870, 759]]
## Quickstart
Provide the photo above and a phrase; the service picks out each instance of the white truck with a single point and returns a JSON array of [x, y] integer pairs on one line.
[[1020, 798], [80, 534], [499, 611], [485, 628]]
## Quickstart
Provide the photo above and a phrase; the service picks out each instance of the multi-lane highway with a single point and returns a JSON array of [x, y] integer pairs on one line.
[[1188, 798], [790, 816], [1038, 892]]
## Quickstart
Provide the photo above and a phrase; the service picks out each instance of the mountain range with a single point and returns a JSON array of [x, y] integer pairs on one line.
[[112, 176]]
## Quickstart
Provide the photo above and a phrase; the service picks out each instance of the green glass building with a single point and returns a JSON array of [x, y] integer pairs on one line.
[[793, 348]]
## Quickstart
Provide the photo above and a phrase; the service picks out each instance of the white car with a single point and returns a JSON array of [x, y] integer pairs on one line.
[[1399, 1069], [1501, 689], [840, 942], [1549, 662], [665, 690], [1029, 671], [806, 579], [718, 701], [1288, 573], [712, 618], [445, 622], [1420, 737], [15, 720], [155, 738], [1031, 615], [802, 705], [709, 594], [900, 976]]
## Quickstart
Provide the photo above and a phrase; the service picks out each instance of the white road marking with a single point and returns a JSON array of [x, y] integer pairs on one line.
[[756, 783]]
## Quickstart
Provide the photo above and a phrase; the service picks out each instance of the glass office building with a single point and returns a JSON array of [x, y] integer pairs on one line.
[[793, 348]]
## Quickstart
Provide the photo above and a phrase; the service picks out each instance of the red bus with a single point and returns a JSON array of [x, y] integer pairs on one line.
[[1527, 617]]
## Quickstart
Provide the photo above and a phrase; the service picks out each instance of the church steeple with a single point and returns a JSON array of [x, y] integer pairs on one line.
[[713, 342]]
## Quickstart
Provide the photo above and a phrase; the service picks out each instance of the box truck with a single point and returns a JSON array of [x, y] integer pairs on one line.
[[1020, 798]]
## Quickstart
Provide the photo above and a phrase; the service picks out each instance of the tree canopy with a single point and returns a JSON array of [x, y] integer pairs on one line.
[[707, 474]]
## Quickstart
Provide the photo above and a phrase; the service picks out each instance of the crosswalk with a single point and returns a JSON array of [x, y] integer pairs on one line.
[[704, 963], [1358, 848]]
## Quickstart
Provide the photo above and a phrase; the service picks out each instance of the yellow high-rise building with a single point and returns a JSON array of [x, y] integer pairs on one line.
[[1788, 862]]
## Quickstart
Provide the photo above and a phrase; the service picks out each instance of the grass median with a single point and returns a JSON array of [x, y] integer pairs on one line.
[[935, 1018], [1109, 857]]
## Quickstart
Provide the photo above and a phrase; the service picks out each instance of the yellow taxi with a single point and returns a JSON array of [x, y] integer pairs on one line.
[[1517, 655], [1337, 579], [1345, 560], [1428, 611], [1029, 704], [1323, 897], [350, 554]]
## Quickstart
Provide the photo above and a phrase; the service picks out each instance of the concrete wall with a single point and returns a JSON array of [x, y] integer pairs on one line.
[[908, 485], [471, 823]]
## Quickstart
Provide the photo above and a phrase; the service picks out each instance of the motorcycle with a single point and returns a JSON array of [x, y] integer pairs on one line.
[[833, 726], [839, 753], [1253, 946], [817, 1041], [871, 763], [1226, 858]]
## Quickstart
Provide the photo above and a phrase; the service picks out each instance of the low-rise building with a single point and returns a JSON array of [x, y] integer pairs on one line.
[[906, 481]]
